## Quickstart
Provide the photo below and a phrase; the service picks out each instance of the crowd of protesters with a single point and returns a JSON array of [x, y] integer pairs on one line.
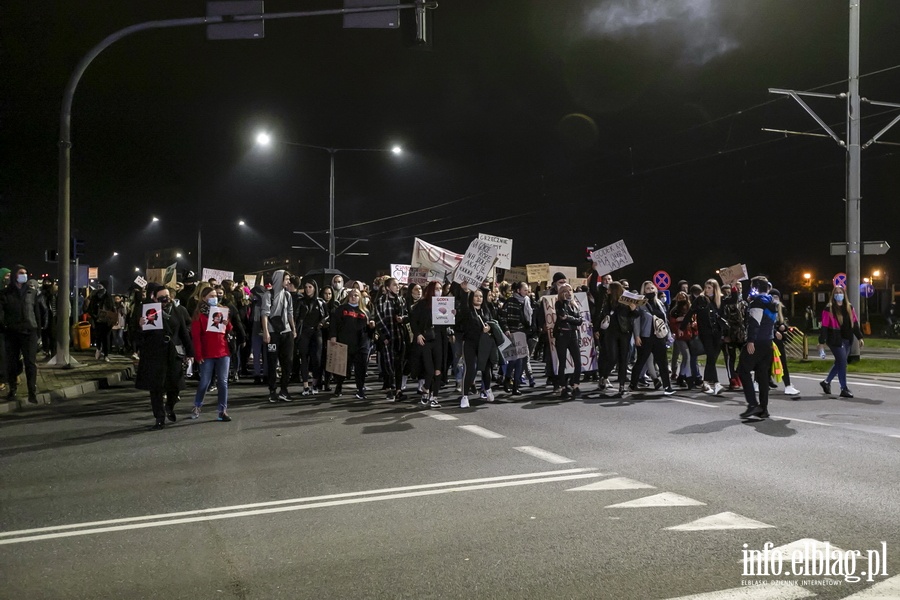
[[277, 333]]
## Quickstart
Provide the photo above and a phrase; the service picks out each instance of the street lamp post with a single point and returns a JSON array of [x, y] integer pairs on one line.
[[264, 139]]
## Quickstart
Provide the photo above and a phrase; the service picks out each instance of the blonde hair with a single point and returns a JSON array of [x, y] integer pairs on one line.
[[717, 292], [560, 295]]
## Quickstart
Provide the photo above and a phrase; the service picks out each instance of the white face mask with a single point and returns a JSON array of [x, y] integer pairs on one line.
[[438, 292], [22, 278], [339, 285]]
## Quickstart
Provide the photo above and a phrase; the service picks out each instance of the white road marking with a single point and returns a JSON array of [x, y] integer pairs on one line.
[[754, 592], [201, 511], [896, 436], [296, 507], [849, 381], [544, 455], [889, 589], [657, 500], [436, 414], [696, 403], [616, 483], [485, 433], [802, 421], [725, 520]]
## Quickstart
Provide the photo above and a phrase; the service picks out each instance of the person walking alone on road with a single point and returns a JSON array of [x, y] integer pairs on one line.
[[212, 354], [839, 325], [756, 355], [160, 368]]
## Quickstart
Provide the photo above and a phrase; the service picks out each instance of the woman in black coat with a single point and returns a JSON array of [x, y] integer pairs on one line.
[[160, 368], [431, 340], [479, 347], [352, 325]]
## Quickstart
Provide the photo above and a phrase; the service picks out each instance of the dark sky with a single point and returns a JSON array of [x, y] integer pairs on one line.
[[560, 124]]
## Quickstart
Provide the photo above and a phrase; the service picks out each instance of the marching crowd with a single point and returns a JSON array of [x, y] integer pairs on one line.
[[278, 334]]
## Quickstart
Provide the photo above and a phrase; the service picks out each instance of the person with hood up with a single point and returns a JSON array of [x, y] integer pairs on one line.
[[278, 334], [162, 352], [340, 292], [19, 321], [311, 316]]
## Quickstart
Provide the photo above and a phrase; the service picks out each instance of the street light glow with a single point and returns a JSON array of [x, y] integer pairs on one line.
[[807, 276], [397, 150], [115, 253], [876, 273], [241, 223], [178, 255], [155, 220], [263, 138], [137, 269]]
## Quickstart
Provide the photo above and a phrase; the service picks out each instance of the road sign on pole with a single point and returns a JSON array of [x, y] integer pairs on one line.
[[868, 248], [840, 280], [662, 280], [866, 290]]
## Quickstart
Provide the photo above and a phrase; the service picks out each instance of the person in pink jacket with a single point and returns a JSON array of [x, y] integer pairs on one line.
[[211, 351], [839, 326]]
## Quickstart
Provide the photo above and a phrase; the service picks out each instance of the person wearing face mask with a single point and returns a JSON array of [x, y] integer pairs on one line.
[[19, 321], [4, 376], [340, 292], [278, 333], [352, 325], [212, 354], [707, 309], [568, 340], [839, 326], [162, 352], [645, 340]]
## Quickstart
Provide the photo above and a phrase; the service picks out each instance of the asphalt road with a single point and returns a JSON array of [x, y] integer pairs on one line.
[[340, 498]]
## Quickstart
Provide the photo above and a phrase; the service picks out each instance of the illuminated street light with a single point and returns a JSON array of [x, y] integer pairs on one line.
[[263, 138], [115, 253], [155, 220], [241, 223]]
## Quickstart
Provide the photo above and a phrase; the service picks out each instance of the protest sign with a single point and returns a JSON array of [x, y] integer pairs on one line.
[[336, 358], [588, 354], [218, 319], [217, 274], [156, 275], [251, 281], [443, 310], [170, 277], [610, 258], [518, 348], [476, 263], [733, 274], [151, 316], [93, 273], [439, 261], [571, 273], [516, 274], [400, 273], [140, 281], [538, 272], [632, 299], [504, 249], [417, 275]]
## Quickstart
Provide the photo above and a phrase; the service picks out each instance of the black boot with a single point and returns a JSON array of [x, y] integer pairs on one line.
[[160, 424]]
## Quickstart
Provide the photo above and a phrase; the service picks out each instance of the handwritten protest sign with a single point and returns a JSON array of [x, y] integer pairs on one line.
[[400, 273], [518, 348], [632, 299], [733, 274], [443, 310], [336, 358], [217, 274], [140, 281], [439, 261], [504, 249], [476, 263], [156, 275], [516, 274], [588, 354], [538, 272], [612, 257], [417, 275]]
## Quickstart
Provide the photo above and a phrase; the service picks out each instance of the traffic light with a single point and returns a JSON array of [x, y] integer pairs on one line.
[[77, 248]]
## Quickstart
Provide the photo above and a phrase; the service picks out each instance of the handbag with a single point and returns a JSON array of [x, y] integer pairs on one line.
[[660, 329], [696, 347], [604, 324], [108, 317]]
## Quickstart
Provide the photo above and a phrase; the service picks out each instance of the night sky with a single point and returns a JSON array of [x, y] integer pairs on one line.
[[558, 123]]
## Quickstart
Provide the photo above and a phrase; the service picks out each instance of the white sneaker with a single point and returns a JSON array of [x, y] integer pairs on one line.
[[483, 395], [464, 402], [706, 389], [97, 354], [791, 391], [717, 389], [490, 395], [755, 387]]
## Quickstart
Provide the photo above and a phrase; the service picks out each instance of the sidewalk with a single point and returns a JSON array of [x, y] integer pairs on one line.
[[55, 384]]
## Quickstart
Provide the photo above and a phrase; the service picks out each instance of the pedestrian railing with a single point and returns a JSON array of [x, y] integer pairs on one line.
[[796, 344]]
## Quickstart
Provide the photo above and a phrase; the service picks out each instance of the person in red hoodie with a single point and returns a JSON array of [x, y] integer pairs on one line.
[[211, 352]]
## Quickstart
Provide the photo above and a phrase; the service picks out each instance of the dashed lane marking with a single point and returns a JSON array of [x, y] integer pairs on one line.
[[485, 433], [695, 403], [544, 455], [434, 414]]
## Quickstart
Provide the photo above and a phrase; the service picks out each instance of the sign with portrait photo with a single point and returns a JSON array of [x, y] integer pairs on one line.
[[151, 316], [218, 319]]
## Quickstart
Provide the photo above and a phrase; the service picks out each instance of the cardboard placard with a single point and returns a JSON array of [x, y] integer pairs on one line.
[[400, 273], [504, 249], [518, 348], [733, 274], [336, 358], [170, 276], [417, 276], [443, 310], [612, 257], [151, 316], [516, 274], [251, 281], [632, 299], [571, 273], [218, 319], [588, 354], [156, 275], [476, 264], [217, 274], [538, 272], [439, 261]]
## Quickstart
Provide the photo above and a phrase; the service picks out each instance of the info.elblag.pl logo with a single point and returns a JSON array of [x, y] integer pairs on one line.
[[811, 558]]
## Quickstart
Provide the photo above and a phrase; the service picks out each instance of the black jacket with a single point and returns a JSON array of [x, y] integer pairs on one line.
[[160, 366], [350, 325], [19, 311]]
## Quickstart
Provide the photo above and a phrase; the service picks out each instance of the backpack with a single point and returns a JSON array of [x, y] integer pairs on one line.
[[735, 317], [660, 329]]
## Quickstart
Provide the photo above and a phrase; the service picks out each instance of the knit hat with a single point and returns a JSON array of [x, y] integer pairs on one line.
[[557, 276], [774, 292], [152, 288]]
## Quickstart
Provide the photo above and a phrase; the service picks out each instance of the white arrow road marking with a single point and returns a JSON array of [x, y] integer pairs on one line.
[[754, 592], [725, 520], [485, 433], [889, 589], [664, 499], [544, 455], [616, 483], [22, 535]]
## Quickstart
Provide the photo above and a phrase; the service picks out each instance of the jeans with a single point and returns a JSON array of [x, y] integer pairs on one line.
[[839, 367], [219, 366]]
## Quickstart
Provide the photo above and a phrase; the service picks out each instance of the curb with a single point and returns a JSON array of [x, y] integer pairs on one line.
[[62, 394]]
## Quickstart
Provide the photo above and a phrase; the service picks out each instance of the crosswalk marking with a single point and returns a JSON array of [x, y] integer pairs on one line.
[[725, 520], [544, 455], [485, 433], [616, 483], [753, 592], [663, 499], [435, 414], [889, 589]]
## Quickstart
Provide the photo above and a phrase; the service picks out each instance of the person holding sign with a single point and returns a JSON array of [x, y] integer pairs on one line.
[[516, 316], [710, 325], [352, 325], [647, 342], [839, 326], [566, 332], [432, 342], [159, 370], [211, 349], [615, 319]]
